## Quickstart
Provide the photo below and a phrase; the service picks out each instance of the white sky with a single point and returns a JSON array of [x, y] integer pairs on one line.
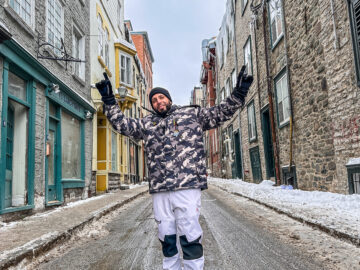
[[176, 29]]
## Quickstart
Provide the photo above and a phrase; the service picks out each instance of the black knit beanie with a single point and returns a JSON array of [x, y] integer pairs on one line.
[[159, 90]]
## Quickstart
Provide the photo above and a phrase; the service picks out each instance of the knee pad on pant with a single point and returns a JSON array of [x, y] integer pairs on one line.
[[169, 245], [191, 250]]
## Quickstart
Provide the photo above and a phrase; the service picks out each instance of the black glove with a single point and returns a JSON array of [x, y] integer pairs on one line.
[[243, 84], [105, 89]]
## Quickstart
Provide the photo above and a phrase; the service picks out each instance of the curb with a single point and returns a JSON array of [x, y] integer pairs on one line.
[[331, 232], [38, 246]]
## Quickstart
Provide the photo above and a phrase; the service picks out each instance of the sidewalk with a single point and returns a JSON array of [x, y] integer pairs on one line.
[[336, 214], [40, 232]]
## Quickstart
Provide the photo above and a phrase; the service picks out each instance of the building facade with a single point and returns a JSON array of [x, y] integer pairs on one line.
[[46, 135], [300, 121]]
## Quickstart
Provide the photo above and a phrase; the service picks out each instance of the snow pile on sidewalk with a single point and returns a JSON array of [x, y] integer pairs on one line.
[[334, 211]]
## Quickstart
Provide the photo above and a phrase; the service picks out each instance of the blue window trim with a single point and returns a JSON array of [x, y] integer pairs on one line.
[[276, 78], [281, 36], [250, 104], [30, 103]]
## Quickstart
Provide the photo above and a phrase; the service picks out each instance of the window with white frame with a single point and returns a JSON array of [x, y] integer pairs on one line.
[[222, 94], [247, 56], [100, 37], [79, 53], [276, 27], [233, 79], [216, 143], [282, 99], [125, 69], [106, 47], [24, 8], [54, 23], [251, 121], [227, 87]]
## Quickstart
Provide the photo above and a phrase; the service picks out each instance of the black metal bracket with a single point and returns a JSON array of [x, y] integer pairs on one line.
[[43, 52]]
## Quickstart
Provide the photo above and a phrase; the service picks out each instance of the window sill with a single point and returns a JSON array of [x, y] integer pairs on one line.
[[253, 140], [73, 183], [20, 21], [274, 45], [16, 209], [284, 124], [80, 80]]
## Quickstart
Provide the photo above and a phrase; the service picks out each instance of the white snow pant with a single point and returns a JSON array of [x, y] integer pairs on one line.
[[177, 213]]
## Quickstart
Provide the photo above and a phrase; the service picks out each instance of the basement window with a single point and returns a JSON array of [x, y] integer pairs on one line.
[[289, 176], [353, 168]]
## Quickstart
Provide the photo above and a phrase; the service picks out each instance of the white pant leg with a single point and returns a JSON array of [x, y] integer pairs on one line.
[[186, 205], [165, 218]]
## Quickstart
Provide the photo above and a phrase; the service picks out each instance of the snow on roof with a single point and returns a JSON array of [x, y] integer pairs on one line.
[[353, 161]]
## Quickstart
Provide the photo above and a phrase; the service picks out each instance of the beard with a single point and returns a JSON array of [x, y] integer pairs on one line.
[[164, 111]]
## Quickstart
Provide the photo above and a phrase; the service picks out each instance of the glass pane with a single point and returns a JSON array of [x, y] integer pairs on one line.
[[71, 147], [51, 143], [52, 109], [17, 86], [113, 152], [19, 153]]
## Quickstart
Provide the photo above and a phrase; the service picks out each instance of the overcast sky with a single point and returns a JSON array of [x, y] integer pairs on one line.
[[176, 29]]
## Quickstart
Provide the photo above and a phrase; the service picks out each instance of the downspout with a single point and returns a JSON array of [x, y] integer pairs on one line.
[[289, 88], [271, 105], [236, 70]]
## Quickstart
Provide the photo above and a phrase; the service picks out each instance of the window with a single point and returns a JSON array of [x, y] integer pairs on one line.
[[355, 27], [243, 5], [125, 69], [247, 56], [230, 134], [106, 41], [225, 144], [222, 52], [113, 151], [71, 146], [276, 27], [17, 143], [24, 8], [222, 94], [55, 24], [100, 37], [282, 99], [251, 121], [79, 53], [233, 79], [216, 143], [227, 87]]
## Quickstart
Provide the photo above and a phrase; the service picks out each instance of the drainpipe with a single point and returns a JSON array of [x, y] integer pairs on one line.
[[271, 105], [236, 70], [289, 87]]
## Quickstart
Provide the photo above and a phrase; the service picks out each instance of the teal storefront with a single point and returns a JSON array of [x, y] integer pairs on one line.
[[43, 133]]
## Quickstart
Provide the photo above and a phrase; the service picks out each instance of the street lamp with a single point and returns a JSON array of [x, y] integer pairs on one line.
[[122, 93]]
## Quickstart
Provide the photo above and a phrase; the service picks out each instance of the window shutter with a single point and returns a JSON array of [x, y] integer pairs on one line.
[[355, 16]]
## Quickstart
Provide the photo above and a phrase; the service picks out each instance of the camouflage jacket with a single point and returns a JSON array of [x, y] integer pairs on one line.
[[174, 143]]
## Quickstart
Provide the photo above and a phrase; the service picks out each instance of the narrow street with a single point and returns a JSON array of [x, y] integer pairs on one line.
[[238, 234]]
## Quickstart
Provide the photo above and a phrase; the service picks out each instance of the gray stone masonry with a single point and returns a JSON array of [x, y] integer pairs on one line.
[[76, 14]]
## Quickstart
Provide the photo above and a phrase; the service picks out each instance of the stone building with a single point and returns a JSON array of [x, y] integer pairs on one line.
[[302, 112], [46, 133]]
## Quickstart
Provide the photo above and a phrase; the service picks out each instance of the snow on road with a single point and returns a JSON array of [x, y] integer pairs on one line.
[[334, 211]]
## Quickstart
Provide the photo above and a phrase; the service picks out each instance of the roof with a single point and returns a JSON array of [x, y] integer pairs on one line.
[[145, 34]]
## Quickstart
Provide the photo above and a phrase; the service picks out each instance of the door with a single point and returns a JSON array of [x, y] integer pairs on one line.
[[255, 164], [268, 145], [52, 160], [237, 145], [9, 156]]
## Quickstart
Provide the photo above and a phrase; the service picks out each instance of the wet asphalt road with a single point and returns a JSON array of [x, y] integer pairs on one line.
[[233, 239]]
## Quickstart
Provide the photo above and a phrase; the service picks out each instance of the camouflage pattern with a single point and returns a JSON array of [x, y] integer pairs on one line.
[[174, 144]]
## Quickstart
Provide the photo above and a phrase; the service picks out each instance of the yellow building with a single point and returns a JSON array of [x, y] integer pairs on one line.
[[110, 53]]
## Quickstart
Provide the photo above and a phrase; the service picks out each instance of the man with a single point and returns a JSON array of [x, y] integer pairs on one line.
[[173, 139]]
